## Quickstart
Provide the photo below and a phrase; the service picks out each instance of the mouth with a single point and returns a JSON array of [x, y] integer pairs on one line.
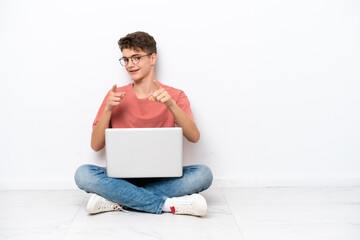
[[133, 71]]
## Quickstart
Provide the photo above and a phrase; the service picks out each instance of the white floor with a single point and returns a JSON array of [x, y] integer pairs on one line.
[[234, 213]]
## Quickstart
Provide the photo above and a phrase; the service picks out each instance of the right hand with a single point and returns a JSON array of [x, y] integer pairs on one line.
[[114, 98]]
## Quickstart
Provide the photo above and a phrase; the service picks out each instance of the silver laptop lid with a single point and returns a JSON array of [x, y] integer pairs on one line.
[[144, 152]]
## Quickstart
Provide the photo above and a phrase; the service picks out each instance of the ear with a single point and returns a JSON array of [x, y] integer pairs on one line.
[[153, 59]]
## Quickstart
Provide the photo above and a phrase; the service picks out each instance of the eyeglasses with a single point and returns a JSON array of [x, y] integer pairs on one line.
[[135, 59]]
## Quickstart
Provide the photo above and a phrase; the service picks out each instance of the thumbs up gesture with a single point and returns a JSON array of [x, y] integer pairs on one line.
[[161, 95], [114, 98]]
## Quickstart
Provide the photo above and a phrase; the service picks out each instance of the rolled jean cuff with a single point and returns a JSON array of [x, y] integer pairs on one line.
[[160, 208]]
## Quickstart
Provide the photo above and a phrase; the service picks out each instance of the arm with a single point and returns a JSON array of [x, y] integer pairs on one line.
[[190, 130], [98, 133]]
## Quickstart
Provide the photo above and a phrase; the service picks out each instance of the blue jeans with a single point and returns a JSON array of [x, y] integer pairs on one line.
[[144, 194]]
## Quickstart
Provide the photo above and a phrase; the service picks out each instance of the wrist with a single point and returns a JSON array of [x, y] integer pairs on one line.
[[108, 109], [171, 103]]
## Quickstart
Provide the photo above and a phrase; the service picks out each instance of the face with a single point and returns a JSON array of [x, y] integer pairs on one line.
[[141, 70]]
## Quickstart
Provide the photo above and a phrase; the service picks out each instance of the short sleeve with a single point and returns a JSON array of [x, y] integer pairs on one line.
[[184, 103], [101, 110]]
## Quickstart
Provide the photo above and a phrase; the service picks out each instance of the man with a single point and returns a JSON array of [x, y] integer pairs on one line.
[[144, 103]]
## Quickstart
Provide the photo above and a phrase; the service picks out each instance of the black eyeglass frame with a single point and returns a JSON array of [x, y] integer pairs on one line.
[[133, 59]]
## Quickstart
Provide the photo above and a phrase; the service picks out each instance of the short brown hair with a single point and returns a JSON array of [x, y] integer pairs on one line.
[[138, 41]]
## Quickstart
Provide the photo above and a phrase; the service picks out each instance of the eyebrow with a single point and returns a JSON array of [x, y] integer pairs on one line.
[[132, 55]]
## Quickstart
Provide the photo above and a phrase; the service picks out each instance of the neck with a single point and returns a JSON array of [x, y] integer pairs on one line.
[[145, 87]]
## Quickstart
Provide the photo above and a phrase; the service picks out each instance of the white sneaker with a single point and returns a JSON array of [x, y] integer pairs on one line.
[[194, 204], [98, 204]]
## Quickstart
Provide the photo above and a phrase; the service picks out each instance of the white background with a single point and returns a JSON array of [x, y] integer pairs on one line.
[[274, 85]]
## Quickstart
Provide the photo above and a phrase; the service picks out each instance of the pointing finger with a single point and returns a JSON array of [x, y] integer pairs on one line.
[[156, 84], [113, 89], [158, 92]]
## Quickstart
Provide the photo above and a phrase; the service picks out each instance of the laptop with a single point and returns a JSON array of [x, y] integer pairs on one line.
[[144, 152]]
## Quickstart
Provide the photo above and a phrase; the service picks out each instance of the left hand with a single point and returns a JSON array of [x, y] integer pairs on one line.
[[161, 95]]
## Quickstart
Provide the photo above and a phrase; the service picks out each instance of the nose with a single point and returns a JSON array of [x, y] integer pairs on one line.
[[130, 64]]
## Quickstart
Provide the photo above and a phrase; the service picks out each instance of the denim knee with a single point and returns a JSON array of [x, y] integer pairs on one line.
[[82, 176], [207, 176], [201, 177]]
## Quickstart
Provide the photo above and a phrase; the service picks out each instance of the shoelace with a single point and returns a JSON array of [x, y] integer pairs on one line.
[[107, 205], [184, 206]]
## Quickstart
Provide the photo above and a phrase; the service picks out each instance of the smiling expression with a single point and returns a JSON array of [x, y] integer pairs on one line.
[[144, 68]]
